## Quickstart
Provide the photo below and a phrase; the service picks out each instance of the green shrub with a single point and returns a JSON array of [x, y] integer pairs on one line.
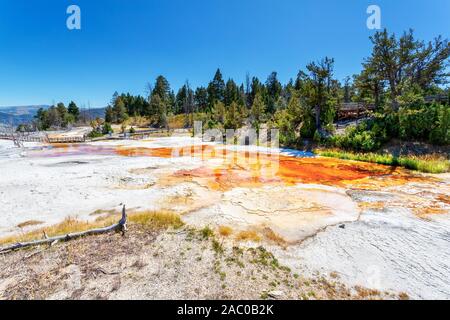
[[107, 128], [417, 123], [440, 134], [423, 164], [317, 137], [366, 136], [424, 122], [95, 134], [429, 123]]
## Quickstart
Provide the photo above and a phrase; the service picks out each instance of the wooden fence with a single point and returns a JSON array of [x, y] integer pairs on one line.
[[73, 139], [43, 139], [354, 110], [437, 98]]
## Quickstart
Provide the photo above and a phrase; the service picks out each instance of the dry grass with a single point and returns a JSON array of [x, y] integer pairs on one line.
[[177, 121], [270, 235], [157, 219], [334, 275], [225, 231], [365, 293], [248, 235], [403, 296], [154, 220], [69, 225], [138, 121], [29, 223]]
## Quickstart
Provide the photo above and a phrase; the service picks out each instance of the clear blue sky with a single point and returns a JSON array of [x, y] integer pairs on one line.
[[125, 44]]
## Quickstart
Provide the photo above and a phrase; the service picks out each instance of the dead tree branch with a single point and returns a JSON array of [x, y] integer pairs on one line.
[[119, 227]]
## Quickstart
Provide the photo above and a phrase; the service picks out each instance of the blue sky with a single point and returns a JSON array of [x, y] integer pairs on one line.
[[125, 44]]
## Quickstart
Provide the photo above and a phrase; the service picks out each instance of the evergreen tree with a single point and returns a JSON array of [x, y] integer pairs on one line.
[[119, 111], [256, 87], [160, 110], [74, 111], [274, 90], [162, 89], [320, 85], [62, 110], [258, 110], [109, 114], [231, 93], [233, 118], [54, 117], [216, 89], [42, 121], [180, 100], [201, 99], [219, 112], [404, 62]]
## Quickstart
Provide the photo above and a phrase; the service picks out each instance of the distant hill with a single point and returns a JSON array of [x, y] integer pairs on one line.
[[16, 115], [19, 114], [93, 113]]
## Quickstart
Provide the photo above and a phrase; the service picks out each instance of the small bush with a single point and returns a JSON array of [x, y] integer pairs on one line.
[[217, 247], [206, 233], [107, 128], [95, 134], [440, 134], [248, 235], [225, 231]]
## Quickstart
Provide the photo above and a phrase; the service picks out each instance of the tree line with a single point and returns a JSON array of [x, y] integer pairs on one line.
[[396, 77], [57, 116]]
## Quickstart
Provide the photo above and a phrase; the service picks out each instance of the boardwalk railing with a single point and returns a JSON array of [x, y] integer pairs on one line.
[[438, 98], [354, 110], [44, 139], [74, 139], [24, 138]]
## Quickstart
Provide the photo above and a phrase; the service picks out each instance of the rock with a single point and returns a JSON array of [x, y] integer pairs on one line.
[[342, 226], [277, 295]]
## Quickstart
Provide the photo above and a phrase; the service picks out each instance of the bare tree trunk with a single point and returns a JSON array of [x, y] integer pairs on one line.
[[121, 226], [318, 110]]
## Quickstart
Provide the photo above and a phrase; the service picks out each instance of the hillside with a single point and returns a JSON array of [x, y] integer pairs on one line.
[[25, 114]]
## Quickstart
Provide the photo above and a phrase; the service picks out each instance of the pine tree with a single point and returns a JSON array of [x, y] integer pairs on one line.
[[119, 111], [201, 99], [231, 93], [162, 88], [160, 110], [258, 110], [219, 112], [109, 114], [74, 110], [274, 90], [319, 80], [216, 89], [233, 118]]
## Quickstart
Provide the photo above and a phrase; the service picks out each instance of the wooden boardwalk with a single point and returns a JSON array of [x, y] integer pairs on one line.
[[74, 139], [23, 138], [42, 139], [354, 110]]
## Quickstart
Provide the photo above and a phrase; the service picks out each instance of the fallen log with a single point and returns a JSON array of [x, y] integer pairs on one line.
[[118, 227]]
